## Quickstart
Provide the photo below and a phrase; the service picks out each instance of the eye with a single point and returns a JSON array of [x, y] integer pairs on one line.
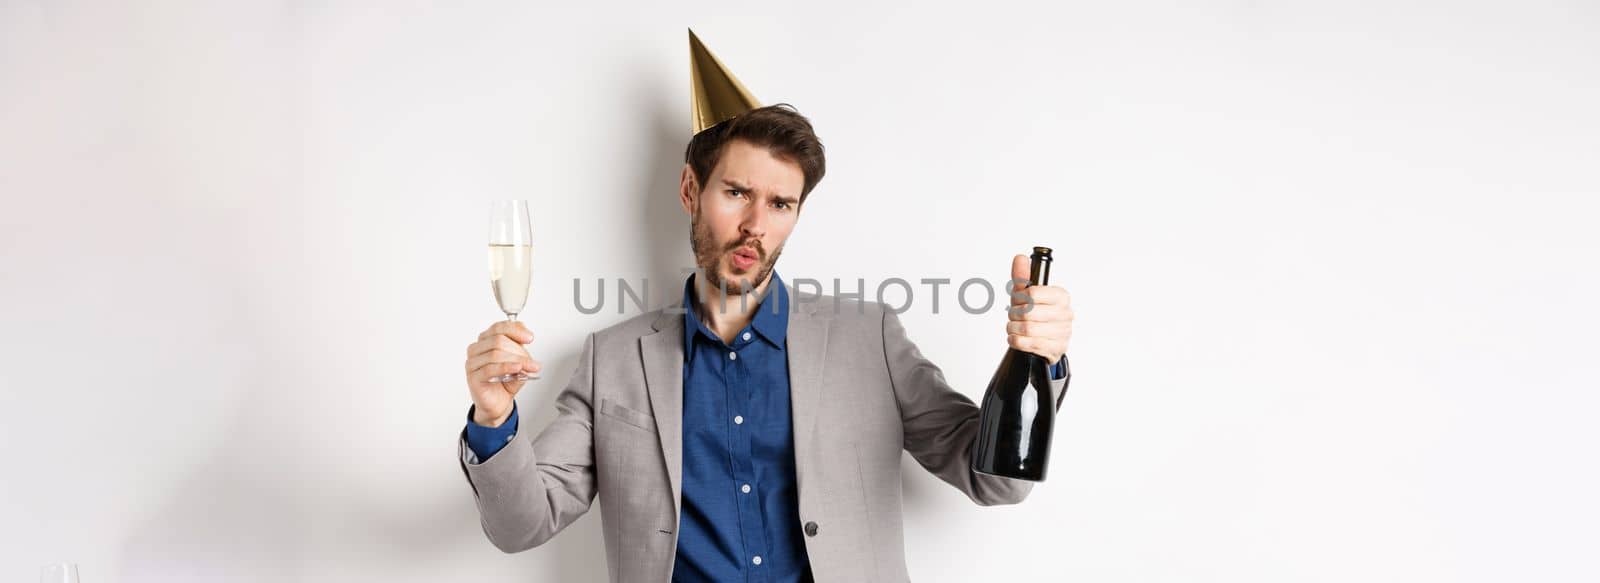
[[735, 192], [782, 205]]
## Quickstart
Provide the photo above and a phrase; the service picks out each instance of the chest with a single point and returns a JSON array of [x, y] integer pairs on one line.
[[737, 400]]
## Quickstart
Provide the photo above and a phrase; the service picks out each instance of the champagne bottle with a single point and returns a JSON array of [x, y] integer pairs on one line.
[[1018, 408]]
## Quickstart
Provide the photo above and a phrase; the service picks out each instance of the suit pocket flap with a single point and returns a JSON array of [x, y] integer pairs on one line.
[[626, 415]]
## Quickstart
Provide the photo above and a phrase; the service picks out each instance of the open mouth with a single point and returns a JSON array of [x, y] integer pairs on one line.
[[743, 258]]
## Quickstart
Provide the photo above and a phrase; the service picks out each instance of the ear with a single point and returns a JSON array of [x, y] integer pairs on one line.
[[688, 189]]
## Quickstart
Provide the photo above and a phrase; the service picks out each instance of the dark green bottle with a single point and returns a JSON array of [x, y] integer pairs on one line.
[[1019, 409]]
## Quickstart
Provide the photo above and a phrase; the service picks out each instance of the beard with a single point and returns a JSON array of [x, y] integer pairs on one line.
[[708, 256]]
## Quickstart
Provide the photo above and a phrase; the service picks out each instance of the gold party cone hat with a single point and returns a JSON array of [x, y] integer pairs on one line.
[[715, 95]]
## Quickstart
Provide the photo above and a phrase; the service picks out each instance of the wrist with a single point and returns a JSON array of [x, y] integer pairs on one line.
[[488, 419]]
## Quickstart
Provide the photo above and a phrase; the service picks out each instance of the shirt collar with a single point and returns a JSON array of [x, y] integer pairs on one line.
[[771, 319]]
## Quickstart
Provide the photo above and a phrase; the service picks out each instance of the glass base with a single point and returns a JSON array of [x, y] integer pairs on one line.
[[517, 377]]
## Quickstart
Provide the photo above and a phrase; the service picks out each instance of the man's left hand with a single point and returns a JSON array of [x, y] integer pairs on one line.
[[1040, 316]]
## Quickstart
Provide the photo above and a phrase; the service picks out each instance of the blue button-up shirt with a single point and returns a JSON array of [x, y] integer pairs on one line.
[[741, 507]]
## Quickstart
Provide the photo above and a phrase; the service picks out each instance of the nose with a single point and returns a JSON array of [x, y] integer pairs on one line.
[[754, 225]]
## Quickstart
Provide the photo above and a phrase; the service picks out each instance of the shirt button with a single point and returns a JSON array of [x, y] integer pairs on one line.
[[745, 488], [811, 529], [746, 335], [756, 559], [738, 419], [733, 356]]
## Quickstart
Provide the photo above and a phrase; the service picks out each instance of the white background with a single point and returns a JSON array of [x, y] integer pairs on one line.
[[1333, 264]]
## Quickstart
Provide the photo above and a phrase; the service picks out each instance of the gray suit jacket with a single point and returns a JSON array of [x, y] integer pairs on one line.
[[860, 390]]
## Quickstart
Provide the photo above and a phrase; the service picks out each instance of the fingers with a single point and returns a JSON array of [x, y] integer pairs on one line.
[[490, 375], [1040, 313], [496, 342], [482, 375], [503, 357], [1042, 294], [1056, 329], [499, 351], [1050, 348], [514, 330], [1040, 316], [1021, 269]]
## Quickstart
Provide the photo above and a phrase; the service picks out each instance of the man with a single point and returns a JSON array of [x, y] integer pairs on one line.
[[742, 437]]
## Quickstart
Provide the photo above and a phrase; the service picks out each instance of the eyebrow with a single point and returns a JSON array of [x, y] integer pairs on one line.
[[741, 186]]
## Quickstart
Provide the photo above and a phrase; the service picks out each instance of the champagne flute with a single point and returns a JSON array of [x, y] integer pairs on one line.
[[510, 263], [59, 573]]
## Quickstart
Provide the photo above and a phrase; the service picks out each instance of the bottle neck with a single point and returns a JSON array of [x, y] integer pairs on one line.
[[1039, 270]]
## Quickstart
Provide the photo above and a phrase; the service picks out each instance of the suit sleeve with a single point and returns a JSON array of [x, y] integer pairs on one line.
[[940, 423], [536, 486], [1060, 377]]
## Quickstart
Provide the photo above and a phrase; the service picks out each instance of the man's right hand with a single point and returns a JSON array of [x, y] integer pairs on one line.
[[498, 351]]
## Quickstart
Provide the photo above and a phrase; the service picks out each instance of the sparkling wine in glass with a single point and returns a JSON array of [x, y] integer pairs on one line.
[[59, 573], [510, 263]]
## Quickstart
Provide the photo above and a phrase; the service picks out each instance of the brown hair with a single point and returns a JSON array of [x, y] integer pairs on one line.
[[778, 128]]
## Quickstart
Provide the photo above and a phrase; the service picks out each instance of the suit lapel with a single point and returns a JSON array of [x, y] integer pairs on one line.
[[663, 367], [807, 345]]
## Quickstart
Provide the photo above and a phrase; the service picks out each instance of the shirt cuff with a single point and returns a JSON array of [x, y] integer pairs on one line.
[[1057, 370], [487, 441]]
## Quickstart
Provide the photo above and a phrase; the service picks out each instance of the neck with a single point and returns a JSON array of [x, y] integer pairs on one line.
[[726, 314]]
